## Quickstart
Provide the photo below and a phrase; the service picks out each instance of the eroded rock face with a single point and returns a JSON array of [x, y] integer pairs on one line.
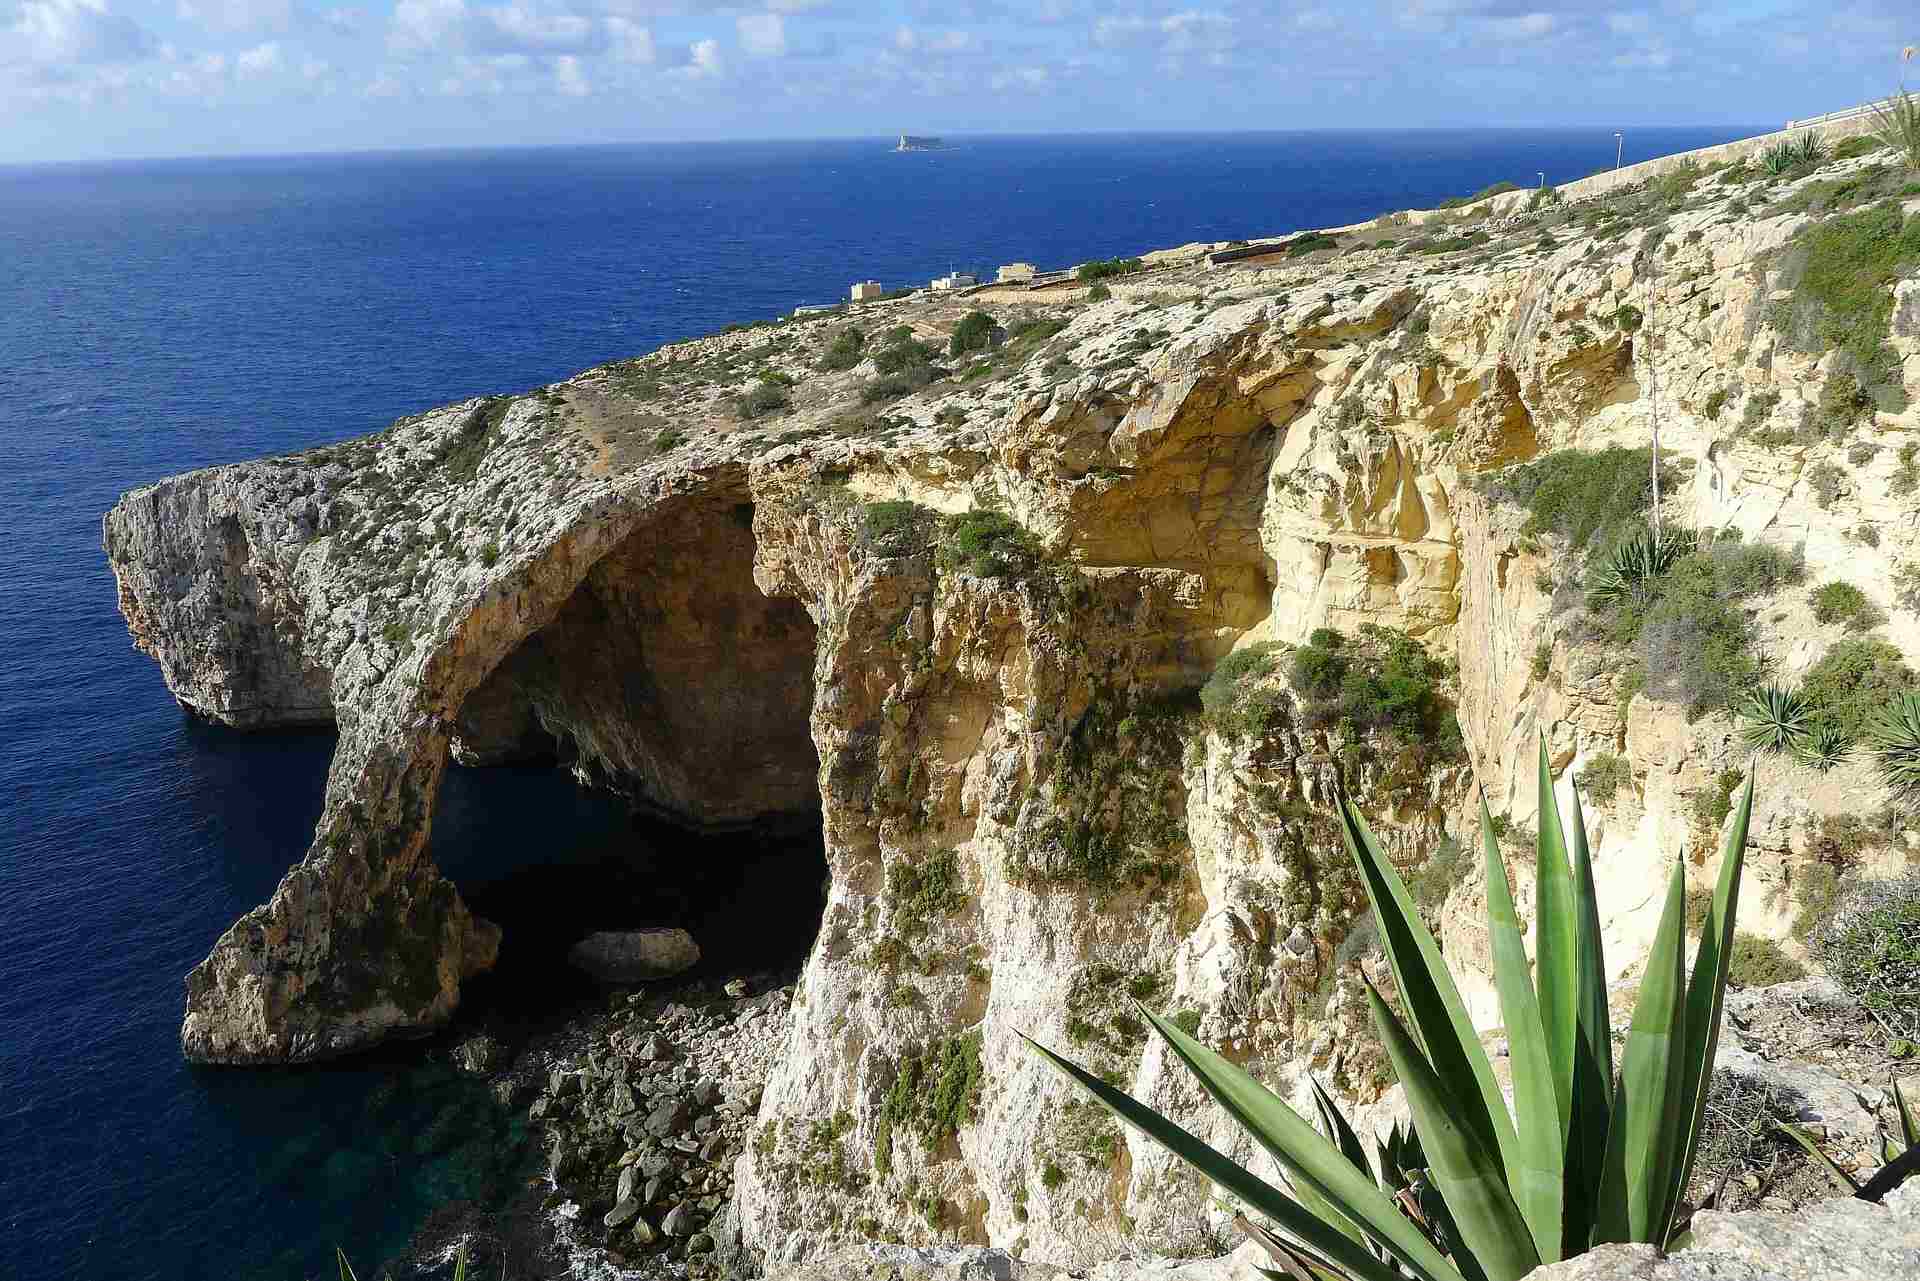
[[635, 956], [1027, 823]]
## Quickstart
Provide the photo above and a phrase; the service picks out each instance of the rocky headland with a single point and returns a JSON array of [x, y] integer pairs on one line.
[[1035, 620]]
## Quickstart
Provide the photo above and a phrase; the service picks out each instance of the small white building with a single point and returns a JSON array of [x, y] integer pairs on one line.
[[812, 310], [866, 290], [1015, 273], [951, 281]]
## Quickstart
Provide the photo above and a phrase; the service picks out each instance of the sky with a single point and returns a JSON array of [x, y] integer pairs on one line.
[[101, 79]]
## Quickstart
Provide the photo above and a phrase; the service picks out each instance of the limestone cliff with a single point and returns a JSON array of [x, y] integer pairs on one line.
[[1027, 821]]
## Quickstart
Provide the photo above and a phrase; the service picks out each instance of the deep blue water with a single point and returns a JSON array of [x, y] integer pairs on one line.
[[161, 316]]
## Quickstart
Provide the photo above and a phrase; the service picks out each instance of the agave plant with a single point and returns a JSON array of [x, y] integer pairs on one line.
[[1893, 741], [1896, 122], [1578, 1162], [1636, 563], [1777, 719], [1805, 151], [1900, 1161], [1824, 747]]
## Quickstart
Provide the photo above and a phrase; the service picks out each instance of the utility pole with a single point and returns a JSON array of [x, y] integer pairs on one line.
[[1619, 147], [1543, 180]]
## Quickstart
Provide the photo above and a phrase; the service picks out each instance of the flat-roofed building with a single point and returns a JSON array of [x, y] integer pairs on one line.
[[867, 290], [1015, 273]]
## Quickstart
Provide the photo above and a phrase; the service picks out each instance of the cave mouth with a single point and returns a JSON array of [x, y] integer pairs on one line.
[[550, 862]]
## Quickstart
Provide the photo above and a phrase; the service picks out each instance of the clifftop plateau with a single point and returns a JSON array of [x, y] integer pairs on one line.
[[1026, 612]]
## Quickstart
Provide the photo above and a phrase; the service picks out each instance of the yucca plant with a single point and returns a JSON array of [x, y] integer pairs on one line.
[[1893, 741], [1825, 747], [1896, 122], [1580, 1160], [1630, 569], [1776, 719], [1805, 151]]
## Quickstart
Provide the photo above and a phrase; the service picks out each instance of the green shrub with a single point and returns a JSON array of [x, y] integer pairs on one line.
[[1102, 269], [1896, 125], [1842, 602], [1871, 947], [1856, 147], [1827, 481], [1582, 496], [1746, 569], [1099, 293], [767, 397], [1758, 409], [1761, 962], [1485, 193], [988, 544], [845, 351], [1605, 775], [896, 528], [1450, 862], [1381, 681], [1542, 661], [1853, 681], [1842, 272], [1906, 477], [1693, 640], [1825, 747], [973, 333], [1715, 402], [1239, 699], [1710, 805], [1628, 318], [1301, 246], [1783, 158]]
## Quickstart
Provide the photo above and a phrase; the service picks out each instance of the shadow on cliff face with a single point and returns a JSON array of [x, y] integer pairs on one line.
[[550, 862]]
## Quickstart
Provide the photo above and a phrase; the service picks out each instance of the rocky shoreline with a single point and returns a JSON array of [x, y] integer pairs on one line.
[[638, 1107]]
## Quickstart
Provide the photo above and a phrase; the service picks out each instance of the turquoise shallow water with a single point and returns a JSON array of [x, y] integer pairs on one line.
[[161, 316]]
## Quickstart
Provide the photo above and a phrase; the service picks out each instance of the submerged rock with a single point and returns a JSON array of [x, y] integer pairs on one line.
[[635, 956]]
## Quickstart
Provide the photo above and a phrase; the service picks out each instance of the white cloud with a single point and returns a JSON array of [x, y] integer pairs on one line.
[[703, 59], [73, 32], [631, 42], [1524, 26], [451, 26], [763, 35], [568, 77], [238, 15], [908, 40], [261, 60]]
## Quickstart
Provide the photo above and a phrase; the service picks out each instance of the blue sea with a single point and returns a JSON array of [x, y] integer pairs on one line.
[[165, 315]]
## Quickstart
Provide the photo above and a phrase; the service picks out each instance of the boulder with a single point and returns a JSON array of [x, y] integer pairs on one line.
[[623, 1213], [635, 956]]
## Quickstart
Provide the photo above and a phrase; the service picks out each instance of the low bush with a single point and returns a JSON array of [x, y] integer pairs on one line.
[[1604, 776], [988, 544], [1240, 699], [1852, 682], [1103, 268], [1585, 497], [1759, 407], [1380, 681], [1841, 272], [1761, 962], [1301, 246], [973, 333], [767, 397], [1485, 193], [896, 528], [1827, 481], [1694, 642], [1871, 947], [1842, 602], [845, 351], [1099, 293]]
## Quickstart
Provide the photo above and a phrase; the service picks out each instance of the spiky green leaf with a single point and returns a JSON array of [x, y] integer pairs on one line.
[[1841, 1179], [1256, 1193], [1646, 1105], [1309, 1160], [1470, 1174], [1434, 1008], [1706, 997], [1533, 1164], [1593, 1041]]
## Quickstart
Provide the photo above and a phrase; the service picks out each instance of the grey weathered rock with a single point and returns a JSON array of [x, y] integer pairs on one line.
[[628, 1178], [621, 1213], [635, 956], [667, 1117], [643, 1232], [681, 1221], [1839, 1240]]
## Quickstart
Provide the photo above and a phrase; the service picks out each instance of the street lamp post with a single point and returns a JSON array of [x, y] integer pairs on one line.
[[1543, 180], [1619, 145]]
